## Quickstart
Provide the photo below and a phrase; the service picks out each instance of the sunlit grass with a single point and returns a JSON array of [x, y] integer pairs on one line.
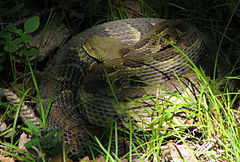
[[215, 113]]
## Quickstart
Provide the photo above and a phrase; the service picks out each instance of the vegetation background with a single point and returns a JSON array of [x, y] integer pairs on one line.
[[32, 32]]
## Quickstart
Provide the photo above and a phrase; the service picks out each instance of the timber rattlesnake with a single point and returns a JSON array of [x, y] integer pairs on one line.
[[96, 76]]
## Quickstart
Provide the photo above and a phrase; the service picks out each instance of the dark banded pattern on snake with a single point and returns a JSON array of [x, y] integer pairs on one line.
[[135, 58]]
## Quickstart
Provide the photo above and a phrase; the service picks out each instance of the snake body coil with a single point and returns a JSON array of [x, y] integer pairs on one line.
[[96, 76]]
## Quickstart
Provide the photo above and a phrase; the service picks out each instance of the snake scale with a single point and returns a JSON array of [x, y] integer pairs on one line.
[[97, 76]]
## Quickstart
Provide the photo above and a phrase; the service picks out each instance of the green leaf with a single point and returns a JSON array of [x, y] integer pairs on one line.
[[31, 52], [13, 29], [19, 32], [26, 38], [41, 123], [50, 133], [27, 130], [32, 142], [11, 47], [33, 128], [1, 67], [16, 41], [2, 59], [16, 8], [56, 139], [31, 24], [50, 142], [4, 12], [5, 35]]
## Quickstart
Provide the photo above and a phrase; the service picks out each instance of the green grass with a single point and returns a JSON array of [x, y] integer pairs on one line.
[[215, 114]]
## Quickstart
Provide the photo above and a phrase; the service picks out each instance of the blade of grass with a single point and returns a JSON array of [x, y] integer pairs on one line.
[[221, 41], [17, 114], [38, 94]]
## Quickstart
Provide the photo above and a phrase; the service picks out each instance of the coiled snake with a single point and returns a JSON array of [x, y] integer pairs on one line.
[[98, 75]]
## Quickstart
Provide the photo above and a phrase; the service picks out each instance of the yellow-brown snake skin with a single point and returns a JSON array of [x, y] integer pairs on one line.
[[98, 76]]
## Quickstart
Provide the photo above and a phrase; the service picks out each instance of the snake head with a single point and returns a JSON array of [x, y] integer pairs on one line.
[[104, 48]]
